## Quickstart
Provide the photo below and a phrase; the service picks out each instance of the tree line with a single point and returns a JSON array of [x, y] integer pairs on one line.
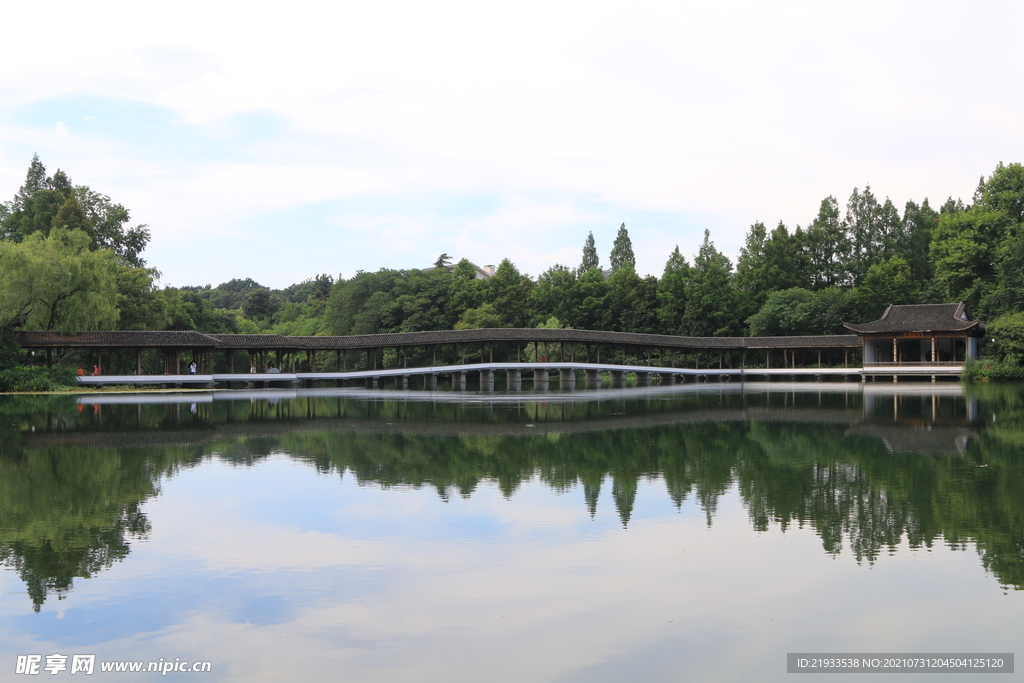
[[70, 261]]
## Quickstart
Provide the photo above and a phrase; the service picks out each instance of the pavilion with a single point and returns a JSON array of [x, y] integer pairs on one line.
[[933, 334]]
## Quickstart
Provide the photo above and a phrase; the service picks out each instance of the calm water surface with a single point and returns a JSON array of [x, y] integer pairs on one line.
[[693, 533]]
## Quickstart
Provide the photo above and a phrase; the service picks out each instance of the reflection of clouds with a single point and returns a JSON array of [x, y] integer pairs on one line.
[[395, 585]]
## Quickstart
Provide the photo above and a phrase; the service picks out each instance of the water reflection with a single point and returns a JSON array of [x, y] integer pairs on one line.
[[866, 467]]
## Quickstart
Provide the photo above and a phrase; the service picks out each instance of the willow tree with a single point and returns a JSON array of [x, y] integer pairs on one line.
[[55, 282]]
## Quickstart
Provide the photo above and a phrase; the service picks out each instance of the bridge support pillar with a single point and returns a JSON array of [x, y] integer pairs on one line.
[[540, 380], [618, 378], [342, 382], [458, 380], [487, 380], [665, 378], [514, 379], [643, 379], [566, 377], [430, 381], [593, 378]]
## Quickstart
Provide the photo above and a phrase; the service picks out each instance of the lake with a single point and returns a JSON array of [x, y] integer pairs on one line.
[[697, 532]]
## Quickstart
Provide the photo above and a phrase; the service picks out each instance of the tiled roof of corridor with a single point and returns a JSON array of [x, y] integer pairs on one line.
[[172, 339]]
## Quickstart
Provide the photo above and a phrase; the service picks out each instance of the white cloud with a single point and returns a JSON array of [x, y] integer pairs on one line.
[[736, 112]]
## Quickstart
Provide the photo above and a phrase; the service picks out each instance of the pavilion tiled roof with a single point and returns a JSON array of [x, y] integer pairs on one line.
[[920, 318]]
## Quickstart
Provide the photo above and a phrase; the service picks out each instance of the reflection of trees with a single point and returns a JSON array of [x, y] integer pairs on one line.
[[68, 512], [850, 489], [70, 508]]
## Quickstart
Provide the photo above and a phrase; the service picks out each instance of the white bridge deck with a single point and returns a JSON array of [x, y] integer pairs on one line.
[[515, 372]]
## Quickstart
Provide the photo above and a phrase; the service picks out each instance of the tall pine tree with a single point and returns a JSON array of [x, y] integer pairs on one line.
[[622, 250], [590, 257]]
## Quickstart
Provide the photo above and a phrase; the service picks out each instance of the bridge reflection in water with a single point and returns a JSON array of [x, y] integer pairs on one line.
[[934, 418]]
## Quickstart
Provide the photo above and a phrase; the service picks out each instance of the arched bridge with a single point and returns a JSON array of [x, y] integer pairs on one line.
[[402, 355]]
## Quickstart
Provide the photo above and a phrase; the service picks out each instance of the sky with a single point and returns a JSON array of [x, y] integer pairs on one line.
[[278, 142]]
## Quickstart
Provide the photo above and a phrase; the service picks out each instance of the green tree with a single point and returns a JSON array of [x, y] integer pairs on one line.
[[711, 309], [40, 199], [918, 224], [888, 282], [486, 316], [864, 228], [622, 250], [187, 310], [799, 311], [259, 304], [552, 294], [349, 299], [828, 247], [751, 276], [590, 257], [673, 292], [786, 312], [620, 296], [509, 291], [641, 314], [964, 255], [1007, 338], [71, 216], [587, 309], [782, 264], [139, 303], [465, 290], [55, 283]]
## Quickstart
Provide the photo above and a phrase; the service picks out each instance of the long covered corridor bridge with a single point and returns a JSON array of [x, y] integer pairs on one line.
[[170, 352], [164, 357]]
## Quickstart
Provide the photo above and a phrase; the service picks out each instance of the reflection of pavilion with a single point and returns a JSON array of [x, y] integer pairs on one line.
[[926, 334], [931, 421]]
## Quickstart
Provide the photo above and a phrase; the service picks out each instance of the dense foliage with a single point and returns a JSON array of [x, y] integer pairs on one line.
[[57, 241]]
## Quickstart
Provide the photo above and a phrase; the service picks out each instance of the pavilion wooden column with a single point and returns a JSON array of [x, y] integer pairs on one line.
[[934, 358], [138, 360], [895, 351]]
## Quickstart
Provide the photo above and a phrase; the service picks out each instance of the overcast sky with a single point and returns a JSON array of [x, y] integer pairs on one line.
[[279, 141]]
